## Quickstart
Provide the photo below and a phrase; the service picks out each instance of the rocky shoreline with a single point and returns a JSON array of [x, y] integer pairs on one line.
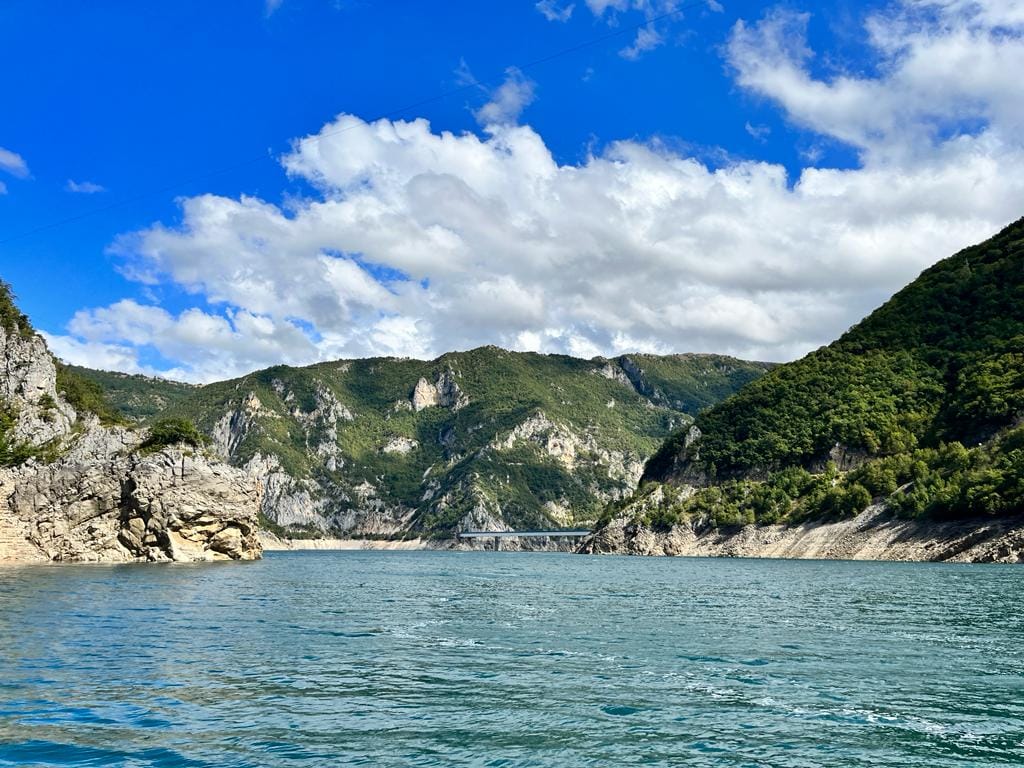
[[872, 535]]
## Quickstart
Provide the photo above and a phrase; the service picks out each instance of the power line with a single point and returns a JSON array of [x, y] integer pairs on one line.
[[616, 33]]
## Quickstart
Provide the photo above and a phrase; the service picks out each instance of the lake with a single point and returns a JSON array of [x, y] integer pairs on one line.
[[508, 659]]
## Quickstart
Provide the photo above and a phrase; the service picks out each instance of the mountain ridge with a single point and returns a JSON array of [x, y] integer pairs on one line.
[[482, 438]]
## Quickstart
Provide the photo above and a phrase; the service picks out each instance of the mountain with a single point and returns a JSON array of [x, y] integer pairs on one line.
[[77, 484], [914, 414], [487, 438]]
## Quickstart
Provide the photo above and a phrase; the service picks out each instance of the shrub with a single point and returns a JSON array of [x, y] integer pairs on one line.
[[173, 432], [11, 318], [663, 518]]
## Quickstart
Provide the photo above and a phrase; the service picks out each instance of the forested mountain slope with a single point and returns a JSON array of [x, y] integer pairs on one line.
[[136, 398], [918, 408]]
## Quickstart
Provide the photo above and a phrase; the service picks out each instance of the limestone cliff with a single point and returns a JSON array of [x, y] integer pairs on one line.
[[73, 490]]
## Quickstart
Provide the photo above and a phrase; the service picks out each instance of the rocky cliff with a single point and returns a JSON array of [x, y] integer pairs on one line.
[[75, 490]]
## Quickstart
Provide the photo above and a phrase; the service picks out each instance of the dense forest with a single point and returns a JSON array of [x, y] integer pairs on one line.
[[920, 403]]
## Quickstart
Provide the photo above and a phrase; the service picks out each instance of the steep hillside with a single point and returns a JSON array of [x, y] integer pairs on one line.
[[479, 439], [917, 410]]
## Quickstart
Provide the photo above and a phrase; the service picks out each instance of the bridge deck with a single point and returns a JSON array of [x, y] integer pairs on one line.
[[520, 534]]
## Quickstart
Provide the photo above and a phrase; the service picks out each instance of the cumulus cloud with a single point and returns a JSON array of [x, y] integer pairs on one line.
[[508, 100], [13, 163], [215, 346], [418, 241], [83, 187], [106, 357]]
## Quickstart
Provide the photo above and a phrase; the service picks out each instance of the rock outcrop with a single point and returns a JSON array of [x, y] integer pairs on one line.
[[573, 450], [93, 496], [444, 393], [102, 501], [28, 387]]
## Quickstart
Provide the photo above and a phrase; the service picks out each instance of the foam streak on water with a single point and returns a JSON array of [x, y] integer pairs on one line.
[[502, 659]]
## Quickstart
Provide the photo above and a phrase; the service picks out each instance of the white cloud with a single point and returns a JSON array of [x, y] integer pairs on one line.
[[986, 13], [942, 73], [553, 10], [500, 244], [211, 346], [599, 7], [647, 39], [270, 6], [83, 187], [420, 241], [658, 13], [759, 132], [13, 163], [508, 100], [106, 357]]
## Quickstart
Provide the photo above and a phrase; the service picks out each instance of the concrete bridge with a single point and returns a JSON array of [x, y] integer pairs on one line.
[[578, 533]]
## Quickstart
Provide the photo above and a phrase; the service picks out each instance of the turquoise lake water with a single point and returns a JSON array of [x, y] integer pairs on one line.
[[505, 659]]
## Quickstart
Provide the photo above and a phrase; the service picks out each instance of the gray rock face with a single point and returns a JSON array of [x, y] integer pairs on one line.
[[28, 385], [102, 500], [444, 392], [573, 451], [181, 506], [284, 499]]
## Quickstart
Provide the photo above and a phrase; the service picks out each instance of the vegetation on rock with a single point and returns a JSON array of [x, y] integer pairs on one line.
[[86, 396], [11, 318], [12, 451], [167, 432]]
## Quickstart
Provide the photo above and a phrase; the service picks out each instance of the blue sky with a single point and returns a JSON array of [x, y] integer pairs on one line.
[[742, 177]]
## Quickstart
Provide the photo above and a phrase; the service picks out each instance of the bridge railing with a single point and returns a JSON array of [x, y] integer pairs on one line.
[[561, 533]]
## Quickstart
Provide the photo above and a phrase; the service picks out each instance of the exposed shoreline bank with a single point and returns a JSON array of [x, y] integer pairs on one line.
[[872, 535], [273, 543]]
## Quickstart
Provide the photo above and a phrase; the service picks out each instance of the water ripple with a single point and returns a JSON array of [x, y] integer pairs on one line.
[[489, 659]]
